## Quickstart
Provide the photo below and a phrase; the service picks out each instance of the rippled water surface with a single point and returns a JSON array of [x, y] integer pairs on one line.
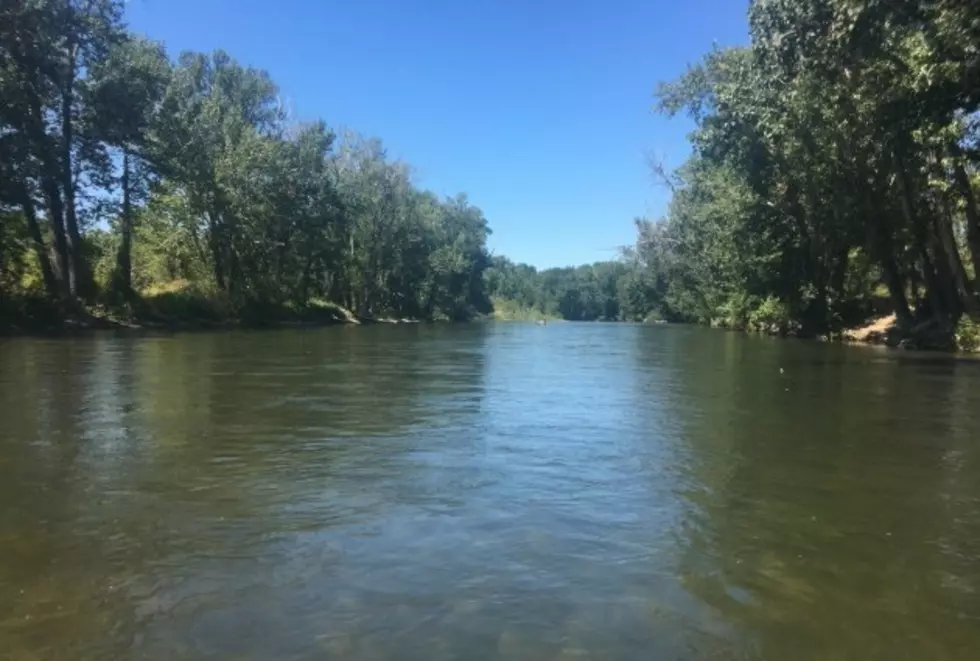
[[606, 492]]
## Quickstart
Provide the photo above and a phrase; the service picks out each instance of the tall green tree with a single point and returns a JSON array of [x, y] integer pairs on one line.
[[127, 90], [830, 157], [121, 171], [49, 50]]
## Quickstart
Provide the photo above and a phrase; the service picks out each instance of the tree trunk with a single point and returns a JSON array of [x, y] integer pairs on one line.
[[77, 274], [217, 251], [882, 249], [56, 215], [304, 282], [915, 286], [234, 273], [40, 249], [3, 266], [49, 187], [882, 244], [957, 271], [838, 279], [124, 258], [944, 230], [962, 182], [896, 288], [939, 286], [934, 289]]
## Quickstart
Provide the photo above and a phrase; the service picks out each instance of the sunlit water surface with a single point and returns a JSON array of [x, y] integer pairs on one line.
[[496, 491]]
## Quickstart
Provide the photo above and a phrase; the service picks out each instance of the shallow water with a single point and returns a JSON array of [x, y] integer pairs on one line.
[[498, 491]]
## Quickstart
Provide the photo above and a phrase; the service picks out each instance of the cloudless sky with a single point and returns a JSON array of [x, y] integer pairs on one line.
[[539, 110]]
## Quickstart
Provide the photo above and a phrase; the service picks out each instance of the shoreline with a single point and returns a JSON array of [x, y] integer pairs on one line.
[[882, 332], [73, 326]]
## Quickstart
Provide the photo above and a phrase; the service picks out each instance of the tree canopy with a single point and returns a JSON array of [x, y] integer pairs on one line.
[[834, 171], [583, 293], [125, 172]]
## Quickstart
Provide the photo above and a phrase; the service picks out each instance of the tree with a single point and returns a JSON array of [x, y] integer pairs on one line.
[[49, 49], [192, 177], [126, 93], [833, 142]]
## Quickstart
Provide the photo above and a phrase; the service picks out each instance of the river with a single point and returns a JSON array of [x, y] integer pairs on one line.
[[486, 491]]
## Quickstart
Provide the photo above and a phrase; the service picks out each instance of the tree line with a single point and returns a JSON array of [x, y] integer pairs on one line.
[[834, 176], [123, 173], [612, 290], [584, 293], [834, 173]]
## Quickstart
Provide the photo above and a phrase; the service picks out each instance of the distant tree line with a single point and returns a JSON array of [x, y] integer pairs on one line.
[[124, 174], [835, 171], [603, 291]]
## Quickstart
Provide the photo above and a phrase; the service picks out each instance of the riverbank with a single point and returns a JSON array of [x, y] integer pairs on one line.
[[885, 331], [174, 310], [508, 310], [925, 336]]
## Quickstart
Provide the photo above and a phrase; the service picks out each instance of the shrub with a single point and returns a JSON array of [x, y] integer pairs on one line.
[[967, 334], [772, 316], [185, 301], [735, 312]]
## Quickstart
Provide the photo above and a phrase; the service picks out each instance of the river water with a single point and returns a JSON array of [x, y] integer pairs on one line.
[[494, 491]]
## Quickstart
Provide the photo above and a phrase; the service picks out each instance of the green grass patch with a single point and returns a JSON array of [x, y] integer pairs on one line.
[[507, 310]]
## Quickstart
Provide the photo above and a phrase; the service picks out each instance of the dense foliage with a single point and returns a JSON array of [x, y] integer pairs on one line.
[[834, 172], [124, 174], [596, 292], [834, 175]]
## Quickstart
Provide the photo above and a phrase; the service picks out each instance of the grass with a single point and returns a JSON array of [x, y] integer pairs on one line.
[[507, 310], [181, 300], [175, 304]]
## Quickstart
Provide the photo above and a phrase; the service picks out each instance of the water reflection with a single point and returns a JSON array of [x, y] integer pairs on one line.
[[486, 492], [165, 487], [823, 502]]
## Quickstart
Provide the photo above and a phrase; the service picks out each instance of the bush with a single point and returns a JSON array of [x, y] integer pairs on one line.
[[734, 312], [32, 310], [185, 301], [100, 249], [508, 310], [967, 334], [772, 316]]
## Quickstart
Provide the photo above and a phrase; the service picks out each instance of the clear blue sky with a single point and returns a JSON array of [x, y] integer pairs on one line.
[[540, 110]]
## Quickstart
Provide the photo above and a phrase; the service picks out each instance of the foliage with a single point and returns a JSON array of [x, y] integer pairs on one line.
[[968, 335], [604, 291], [834, 156], [771, 316], [183, 300], [835, 164], [505, 309], [122, 172]]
